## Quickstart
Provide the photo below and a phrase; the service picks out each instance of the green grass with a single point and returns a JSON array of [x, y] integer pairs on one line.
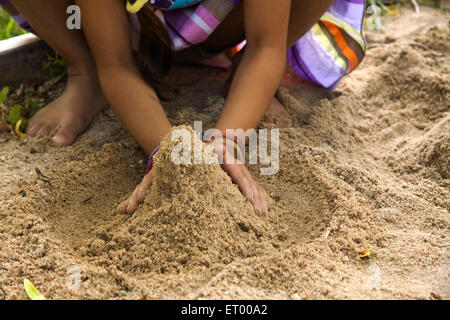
[[8, 28]]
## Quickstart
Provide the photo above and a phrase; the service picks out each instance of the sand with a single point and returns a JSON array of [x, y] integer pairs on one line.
[[365, 167]]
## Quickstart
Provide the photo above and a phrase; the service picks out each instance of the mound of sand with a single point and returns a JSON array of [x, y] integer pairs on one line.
[[193, 216], [364, 168]]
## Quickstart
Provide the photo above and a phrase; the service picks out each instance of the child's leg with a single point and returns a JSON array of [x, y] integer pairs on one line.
[[82, 98]]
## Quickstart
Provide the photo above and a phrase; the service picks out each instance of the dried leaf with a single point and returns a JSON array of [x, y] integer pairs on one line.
[[364, 254], [21, 125], [31, 291]]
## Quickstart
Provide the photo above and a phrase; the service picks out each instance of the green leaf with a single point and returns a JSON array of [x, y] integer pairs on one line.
[[46, 65], [31, 291], [3, 94], [15, 113], [34, 106], [9, 27]]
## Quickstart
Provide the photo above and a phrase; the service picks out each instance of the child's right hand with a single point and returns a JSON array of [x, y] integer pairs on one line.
[[137, 197]]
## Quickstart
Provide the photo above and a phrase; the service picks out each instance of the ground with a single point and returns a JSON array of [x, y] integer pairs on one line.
[[365, 167]]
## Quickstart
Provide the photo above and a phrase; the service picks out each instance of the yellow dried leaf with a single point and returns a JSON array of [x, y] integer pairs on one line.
[[392, 10], [364, 253], [19, 133], [31, 291]]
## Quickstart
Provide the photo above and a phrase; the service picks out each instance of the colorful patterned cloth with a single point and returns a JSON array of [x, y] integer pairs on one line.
[[331, 49]]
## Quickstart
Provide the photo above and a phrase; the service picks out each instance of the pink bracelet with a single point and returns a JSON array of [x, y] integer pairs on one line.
[[151, 160]]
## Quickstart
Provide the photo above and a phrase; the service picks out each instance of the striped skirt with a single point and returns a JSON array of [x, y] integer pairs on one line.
[[332, 48]]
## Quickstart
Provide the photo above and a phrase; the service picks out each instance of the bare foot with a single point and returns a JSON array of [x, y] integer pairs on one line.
[[71, 113]]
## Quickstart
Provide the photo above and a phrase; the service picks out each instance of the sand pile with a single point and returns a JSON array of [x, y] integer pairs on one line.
[[193, 216]]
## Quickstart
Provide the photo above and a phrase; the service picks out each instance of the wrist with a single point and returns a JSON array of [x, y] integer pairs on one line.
[[151, 159]]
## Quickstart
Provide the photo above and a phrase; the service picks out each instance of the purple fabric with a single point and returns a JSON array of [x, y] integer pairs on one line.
[[193, 25], [20, 20], [4, 2], [319, 66], [299, 66], [348, 11]]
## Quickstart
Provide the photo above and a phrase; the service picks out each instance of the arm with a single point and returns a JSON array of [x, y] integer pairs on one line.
[[256, 81], [260, 71], [105, 23]]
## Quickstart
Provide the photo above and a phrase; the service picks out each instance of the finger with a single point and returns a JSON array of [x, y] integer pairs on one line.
[[246, 189], [142, 194], [266, 200], [144, 186], [133, 202], [262, 200], [122, 208], [258, 202]]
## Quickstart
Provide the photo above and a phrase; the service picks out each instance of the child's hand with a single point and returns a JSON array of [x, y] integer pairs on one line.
[[242, 177], [249, 187], [137, 197]]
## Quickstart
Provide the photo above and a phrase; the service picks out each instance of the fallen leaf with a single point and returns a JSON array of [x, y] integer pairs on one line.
[[31, 291], [364, 254]]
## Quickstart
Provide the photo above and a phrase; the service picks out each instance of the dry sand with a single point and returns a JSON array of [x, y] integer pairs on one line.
[[365, 167]]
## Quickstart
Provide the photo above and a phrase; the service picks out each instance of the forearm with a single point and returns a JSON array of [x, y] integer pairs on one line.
[[253, 87], [136, 104]]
